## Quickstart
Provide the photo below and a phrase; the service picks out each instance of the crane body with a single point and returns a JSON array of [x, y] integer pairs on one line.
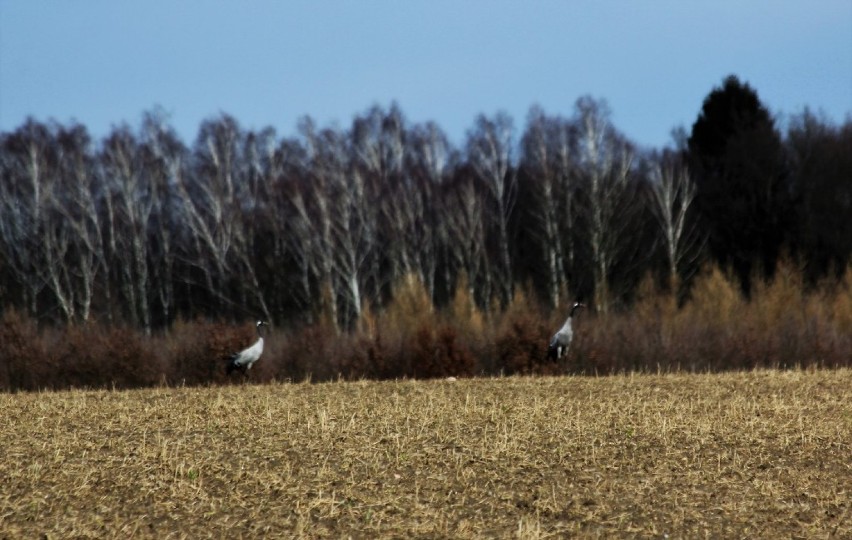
[[243, 360], [562, 338]]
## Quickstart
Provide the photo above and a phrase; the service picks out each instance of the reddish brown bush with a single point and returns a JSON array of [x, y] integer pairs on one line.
[[782, 325], [307, 352], [438, 352], [521, 347], [131, 359], [78, 357], [366, 359], [23, 362], [93, 356]]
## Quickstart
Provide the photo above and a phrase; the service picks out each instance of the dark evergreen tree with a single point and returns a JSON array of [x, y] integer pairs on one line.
[[736, 158], [820, 160]]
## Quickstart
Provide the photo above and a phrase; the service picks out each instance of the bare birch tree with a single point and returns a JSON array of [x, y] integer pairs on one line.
[[489, 152], [219, 207], [129, 205], [302, 242], [464, 235], [165, 170], [336, 220], [540, 160], [73, 273], [255, 181], [311, 219], [672, 198], [49, 224], [283, 166], [378, 154], [604, 162], [208, 201], [28, 167], [429, 161]]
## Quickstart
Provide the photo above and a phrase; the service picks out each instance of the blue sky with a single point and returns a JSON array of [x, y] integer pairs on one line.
[[268, 63]]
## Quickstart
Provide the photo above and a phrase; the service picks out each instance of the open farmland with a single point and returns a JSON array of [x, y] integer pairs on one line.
[[755, 454]]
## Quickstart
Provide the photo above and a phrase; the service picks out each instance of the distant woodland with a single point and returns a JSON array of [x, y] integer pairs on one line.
[[142, 229]]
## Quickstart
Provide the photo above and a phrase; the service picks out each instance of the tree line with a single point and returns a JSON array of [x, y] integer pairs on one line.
[[141, 228]]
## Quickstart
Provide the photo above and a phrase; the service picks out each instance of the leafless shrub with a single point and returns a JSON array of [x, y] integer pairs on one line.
[[308, 352], [23, 362], [438, 352], [783, 325], [520, 343]]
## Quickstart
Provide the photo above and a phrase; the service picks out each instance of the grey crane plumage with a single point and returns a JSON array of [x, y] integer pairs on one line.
[[244, 359], [562, 338]]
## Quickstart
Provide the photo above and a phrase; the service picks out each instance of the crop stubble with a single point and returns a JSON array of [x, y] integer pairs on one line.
[[763, 453]]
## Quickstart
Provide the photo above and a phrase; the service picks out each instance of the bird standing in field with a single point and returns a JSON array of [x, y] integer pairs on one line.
[[562, 338], [244, 359]]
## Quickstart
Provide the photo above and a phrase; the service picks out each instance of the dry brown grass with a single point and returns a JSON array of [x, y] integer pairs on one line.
[[754, 454]]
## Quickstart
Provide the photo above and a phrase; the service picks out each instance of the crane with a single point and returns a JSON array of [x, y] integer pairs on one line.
[[562, 338], [244, 359]]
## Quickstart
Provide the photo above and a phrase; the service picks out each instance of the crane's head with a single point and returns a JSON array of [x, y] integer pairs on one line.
[[261, 323], [576, 306]]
